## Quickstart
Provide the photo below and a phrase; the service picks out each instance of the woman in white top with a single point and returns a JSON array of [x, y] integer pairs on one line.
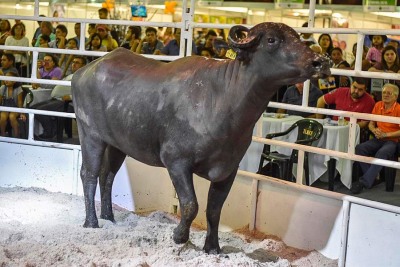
[[17, 38]]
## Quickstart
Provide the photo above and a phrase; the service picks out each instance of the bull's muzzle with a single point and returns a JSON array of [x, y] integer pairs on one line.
[[321, 65]]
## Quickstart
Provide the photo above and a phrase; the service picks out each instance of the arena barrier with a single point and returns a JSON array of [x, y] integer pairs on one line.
[[342, 227]]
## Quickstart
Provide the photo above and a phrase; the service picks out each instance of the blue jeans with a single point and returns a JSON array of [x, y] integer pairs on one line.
[[374, 148]]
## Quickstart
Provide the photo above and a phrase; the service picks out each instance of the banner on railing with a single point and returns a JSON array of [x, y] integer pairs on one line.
[[380, 5]]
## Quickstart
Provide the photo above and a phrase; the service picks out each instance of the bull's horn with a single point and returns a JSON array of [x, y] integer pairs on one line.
[[239, 38]]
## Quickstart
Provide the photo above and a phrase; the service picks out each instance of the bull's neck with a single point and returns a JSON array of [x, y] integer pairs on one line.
[[248, 90]]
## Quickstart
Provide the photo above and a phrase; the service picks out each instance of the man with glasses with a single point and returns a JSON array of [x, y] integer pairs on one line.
[[386, 137], [354, 99], [48, 69], [59, 95]]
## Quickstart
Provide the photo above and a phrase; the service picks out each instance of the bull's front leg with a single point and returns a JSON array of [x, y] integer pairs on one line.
[[182, 180], [217, 195]]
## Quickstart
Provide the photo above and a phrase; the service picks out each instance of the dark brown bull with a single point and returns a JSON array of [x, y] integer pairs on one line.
[[193, 115]]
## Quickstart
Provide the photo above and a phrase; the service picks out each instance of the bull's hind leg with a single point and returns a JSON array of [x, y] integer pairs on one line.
[[182, 179], [92, 155], [112, 161], [216, 197]]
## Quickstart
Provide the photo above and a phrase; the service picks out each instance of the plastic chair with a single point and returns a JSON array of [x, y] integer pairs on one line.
[[308, 131]]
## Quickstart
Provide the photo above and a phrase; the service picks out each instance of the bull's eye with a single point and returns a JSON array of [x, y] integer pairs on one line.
[[271, 40]]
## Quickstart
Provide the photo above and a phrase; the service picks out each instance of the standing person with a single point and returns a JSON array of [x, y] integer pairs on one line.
[[386, 137], [375, 52], [103, 14], [132, 38], [150, 44], [326, 44], [11, 95], [294, 96], [17, 38], [354, 99]]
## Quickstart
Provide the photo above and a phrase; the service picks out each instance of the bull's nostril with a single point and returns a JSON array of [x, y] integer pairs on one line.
[[316, 64]]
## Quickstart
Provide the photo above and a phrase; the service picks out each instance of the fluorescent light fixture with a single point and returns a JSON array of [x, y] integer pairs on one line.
[[230, 9], [156, 6]]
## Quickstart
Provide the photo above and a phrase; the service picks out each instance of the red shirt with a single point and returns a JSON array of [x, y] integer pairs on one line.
[[393, 111], [343, 101]]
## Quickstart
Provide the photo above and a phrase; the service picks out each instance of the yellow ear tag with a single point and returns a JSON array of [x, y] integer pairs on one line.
[[230, 54]]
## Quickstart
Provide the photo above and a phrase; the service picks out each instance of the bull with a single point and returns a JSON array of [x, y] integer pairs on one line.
[[192, 116]]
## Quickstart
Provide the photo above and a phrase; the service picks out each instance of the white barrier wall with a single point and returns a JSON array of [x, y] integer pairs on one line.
[[298, 214]]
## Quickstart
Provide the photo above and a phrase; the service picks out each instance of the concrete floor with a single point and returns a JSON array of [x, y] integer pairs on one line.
[[377, 193]]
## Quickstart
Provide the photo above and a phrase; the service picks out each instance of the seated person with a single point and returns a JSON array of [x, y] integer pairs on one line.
[[354, 99], [173, 46], [132, 38], [294, 96], [48, 69], [206, 52], [150, 44], [11, 95], [61, 37], [220, 47], [65, 60], [106, 38], [59, 95], [43, 42], [208, 41], [7, 64], [386, 137]]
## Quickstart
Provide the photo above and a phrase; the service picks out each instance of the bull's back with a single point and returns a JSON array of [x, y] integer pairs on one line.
[[138, 104]]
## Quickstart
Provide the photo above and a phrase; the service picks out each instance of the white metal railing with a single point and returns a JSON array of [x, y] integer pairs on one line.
[[187, 24]]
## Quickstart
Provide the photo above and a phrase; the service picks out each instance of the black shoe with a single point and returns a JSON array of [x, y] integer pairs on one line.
[[356, 188], [44, 137]]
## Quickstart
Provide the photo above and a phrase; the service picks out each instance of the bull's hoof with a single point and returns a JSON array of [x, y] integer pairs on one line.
[[108, 217], [211, 250], [88, 224], [181, 236]]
